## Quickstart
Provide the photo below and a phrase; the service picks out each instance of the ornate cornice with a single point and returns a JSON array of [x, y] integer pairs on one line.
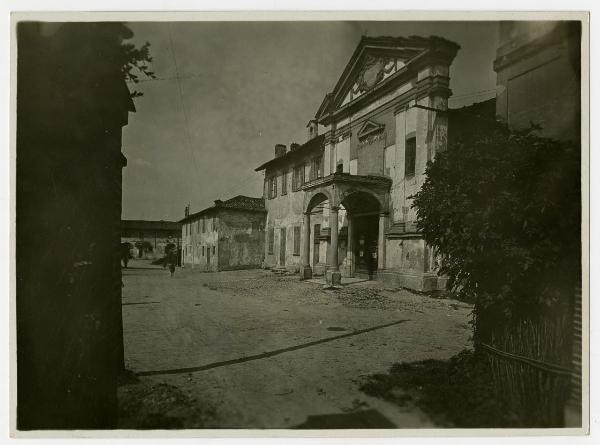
[[382, 182]]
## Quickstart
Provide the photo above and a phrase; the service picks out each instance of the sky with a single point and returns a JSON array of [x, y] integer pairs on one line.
[[227, 92]]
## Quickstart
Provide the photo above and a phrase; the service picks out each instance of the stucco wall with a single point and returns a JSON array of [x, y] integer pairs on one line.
[[196, 239], [542, 86], [241, 241], [283, 211], [235, 239]]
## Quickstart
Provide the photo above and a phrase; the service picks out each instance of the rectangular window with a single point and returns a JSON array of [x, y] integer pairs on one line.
[[214, 250], [410, 156], [271, 240], [202, 250], [298, 178], [284, 183], [316, 170], [214, 223], [272, 187], [203, 225], [294, 179], [296, 240]]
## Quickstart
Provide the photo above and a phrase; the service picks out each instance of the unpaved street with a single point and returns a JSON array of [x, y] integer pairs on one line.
[[257, 350]]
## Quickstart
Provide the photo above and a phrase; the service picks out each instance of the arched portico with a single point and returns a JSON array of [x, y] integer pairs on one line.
[[362, 196]]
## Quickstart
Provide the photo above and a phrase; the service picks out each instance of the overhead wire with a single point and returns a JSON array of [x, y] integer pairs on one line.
[[183, 109]]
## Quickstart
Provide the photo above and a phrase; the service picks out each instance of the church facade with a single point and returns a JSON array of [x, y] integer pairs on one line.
[[339, 205]]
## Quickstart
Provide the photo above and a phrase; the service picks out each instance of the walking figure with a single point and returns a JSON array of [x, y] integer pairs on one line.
[[170, 256], [125, 254]]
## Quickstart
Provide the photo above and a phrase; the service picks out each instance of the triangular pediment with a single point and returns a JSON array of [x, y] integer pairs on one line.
[[375, 61], [369, 128], [374, 70]]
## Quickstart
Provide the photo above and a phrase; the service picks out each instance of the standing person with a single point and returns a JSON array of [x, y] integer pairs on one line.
[[171, 255], [125, 254]]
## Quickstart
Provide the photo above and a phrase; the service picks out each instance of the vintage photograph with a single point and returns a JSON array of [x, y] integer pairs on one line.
[[300, 224]]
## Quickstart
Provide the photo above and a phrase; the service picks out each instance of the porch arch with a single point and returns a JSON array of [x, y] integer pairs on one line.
[[316, 197]]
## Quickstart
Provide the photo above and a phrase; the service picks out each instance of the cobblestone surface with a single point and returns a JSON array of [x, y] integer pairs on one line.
[[267, 351]]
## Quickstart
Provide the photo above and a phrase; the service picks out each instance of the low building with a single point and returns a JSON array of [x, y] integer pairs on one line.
[[149, 238], [226, 236], [340, 204]]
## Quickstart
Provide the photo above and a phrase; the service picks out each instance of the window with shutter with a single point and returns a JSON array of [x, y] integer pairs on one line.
[[317, 168], [271, 240], [284, 183], [410, 156], [296, 240], [273, 187], [298, 178]]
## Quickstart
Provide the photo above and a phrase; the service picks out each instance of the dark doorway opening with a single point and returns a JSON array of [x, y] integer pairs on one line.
[[366, 231], [316, 244], [282, 247]]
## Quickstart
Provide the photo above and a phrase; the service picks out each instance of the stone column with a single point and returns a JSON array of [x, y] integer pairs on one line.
[[381, 241], [333, 273], [305, 269]]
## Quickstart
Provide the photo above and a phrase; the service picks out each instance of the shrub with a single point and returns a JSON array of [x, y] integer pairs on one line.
[[503, 208]]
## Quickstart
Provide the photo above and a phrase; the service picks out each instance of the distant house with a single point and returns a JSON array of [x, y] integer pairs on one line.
[[228, 235], [148, 238]]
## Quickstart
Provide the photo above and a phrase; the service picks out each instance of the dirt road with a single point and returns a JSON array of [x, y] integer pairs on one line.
[[249, 349]]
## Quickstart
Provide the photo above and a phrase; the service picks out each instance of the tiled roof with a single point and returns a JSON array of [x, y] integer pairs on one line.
[[243, 203], [239, 202]]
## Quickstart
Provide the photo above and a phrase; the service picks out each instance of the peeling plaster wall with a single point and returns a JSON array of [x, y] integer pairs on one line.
[[283, 211], [195, 239], [241, 243]]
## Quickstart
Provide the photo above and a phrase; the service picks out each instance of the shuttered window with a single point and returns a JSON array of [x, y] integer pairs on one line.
[[317, 168], [272, 187], [298, 178], [410, 156], [297, 240], [284, 179], [271, 240]]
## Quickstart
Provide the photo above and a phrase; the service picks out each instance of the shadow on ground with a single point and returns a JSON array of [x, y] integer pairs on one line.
[[144, 404], [369, 418], [455, 393]]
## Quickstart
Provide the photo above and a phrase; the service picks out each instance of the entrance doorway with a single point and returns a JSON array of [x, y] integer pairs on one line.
[[363, 209], [282, 240], [365, 237], [316, 241]]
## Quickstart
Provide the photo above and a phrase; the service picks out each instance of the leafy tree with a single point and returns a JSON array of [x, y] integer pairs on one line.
[[504, 210]]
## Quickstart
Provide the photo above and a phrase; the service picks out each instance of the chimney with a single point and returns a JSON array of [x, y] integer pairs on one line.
[[187, 211], [280, 150], [218, 202], [294, 146], [313, 129]]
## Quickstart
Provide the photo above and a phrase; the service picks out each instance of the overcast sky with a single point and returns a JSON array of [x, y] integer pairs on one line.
[[246, 86]]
